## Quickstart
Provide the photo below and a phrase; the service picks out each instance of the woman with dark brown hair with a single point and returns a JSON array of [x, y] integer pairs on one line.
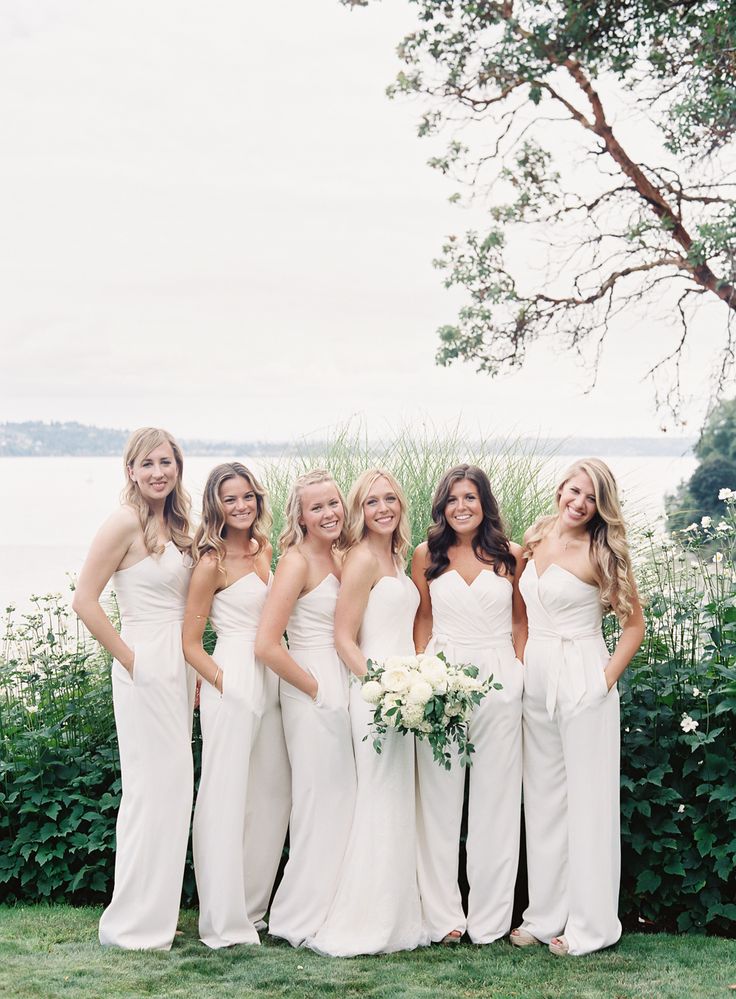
[[467, 575]]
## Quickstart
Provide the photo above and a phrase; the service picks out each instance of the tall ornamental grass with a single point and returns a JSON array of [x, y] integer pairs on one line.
[[418, 460]]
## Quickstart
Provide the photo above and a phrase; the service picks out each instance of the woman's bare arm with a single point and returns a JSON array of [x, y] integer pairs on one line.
[[359, 574], [423, 620], [109, 547], [288, 583]]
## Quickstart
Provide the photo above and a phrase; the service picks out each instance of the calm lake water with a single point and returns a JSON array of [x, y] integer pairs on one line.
[[50, 509]]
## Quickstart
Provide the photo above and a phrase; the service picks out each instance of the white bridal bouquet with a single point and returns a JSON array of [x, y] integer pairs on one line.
[[428, 697]]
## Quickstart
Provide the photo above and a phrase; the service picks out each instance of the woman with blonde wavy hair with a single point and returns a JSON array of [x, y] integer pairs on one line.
[[314, 702], [578, 568], [145, 548], [377, 907], [244, 796]]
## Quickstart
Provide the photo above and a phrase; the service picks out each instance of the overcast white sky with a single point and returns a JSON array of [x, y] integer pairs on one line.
[[212, 219]]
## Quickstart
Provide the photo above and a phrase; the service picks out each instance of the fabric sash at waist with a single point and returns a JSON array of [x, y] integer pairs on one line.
[[572, 657]]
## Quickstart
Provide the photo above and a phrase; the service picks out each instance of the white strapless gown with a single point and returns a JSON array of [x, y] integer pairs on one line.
[[377, 907], [229, 859], [571, 765], [322, 770], [153, 718]]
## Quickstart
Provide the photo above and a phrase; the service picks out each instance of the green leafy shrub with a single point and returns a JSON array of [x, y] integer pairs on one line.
[[59, 770], [678, 766]]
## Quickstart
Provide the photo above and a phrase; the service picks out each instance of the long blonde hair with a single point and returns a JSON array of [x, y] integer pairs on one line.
[[359, 492], [609, 549], [211, 531], [177, 505], [293, 532]]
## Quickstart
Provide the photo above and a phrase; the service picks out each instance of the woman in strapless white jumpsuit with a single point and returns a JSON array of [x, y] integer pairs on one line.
[[145, 548], [571, 714], [314, 704], [469, 607], [229, 584], [376, 908]]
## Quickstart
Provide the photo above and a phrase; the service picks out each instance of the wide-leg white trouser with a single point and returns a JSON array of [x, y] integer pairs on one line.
[[571, 802], [268, 804], [493, 811], [319, 743], [229, 725], [153, 722]]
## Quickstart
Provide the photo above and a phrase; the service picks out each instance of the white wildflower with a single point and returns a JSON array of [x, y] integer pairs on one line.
[[690, 527], [726, 494], [31, 709], [697, 693], [688, 724], [706, 521], [717, 558], [680, 809], [723, 526]]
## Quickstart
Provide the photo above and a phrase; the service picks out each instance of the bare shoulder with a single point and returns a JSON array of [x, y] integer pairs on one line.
[[293, 563], [208, 566], [421, 553], [516, 550], [267, 551], [121, 528], [361, 558]]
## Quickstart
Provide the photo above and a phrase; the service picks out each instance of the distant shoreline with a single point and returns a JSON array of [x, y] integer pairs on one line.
[[35, 439]]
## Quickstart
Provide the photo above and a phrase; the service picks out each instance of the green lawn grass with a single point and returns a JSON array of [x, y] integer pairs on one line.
[[53, 951]]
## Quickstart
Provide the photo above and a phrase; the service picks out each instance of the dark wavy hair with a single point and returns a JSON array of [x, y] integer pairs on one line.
[[490, 543]]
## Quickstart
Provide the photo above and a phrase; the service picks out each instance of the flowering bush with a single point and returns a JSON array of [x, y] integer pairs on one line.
[[678, 703], [427, 697]]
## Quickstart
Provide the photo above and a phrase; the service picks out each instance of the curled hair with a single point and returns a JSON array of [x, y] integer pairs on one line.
[[490, 544], [294, 533], [359, 492], [609, 549], [177, 504], [212, 528]]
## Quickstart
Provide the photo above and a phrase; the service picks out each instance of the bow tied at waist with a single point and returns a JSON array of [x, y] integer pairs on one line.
[[570, 654]]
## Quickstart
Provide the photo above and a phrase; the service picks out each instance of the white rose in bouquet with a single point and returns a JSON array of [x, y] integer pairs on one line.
[[372, 691], [396, 678], [451, 710], [419, 692], [434, 671]]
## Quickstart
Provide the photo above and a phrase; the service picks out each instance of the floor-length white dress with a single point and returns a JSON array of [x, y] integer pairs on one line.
[[571, 765], [377, 907], [472, 624], [320, 750], [223, 840], [153, 722]]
